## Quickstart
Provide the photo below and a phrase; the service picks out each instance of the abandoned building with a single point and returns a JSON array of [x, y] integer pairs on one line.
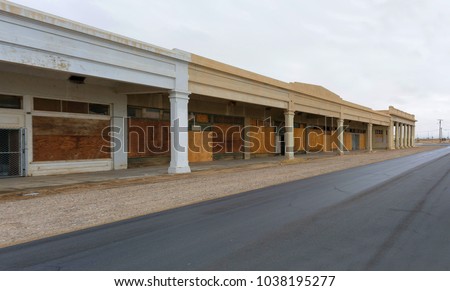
[[74, 98]]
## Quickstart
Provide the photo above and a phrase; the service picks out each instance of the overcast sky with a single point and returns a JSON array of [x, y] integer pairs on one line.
[[372, 52]]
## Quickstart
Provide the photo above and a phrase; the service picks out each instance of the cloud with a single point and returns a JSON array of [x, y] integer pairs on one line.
[[375, 52]]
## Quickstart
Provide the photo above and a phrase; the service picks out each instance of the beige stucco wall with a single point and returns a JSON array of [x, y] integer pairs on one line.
[[211, 78]]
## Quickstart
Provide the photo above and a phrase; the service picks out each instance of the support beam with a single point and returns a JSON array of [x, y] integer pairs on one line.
[[289, 134], [369, 137], [340, 136], [179, 143]]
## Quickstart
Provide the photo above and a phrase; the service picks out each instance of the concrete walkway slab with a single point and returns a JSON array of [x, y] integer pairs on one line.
[[27, 184], [19, 184]]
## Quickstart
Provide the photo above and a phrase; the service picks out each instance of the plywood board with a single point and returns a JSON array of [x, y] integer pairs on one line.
[[262, 139], [362, 141], [148, 138], [348, 141], [200, 146], [299, 139], [58, 138], [315, 140], [227, 138]]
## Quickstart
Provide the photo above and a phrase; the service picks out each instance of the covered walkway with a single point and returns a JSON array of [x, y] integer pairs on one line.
[[31, 185]]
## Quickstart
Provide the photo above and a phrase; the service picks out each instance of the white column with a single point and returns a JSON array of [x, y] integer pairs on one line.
[[406, 136], [247, 143], [397, 135], [289, 134], [391, 136], [410, 136], [179, 143], [27, 107], [120, 134], [413, 136], [401, 135], [369, 137], [340, 136]]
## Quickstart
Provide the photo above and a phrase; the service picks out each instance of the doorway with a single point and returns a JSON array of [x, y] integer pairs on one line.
[[12, 153], [355, 141]]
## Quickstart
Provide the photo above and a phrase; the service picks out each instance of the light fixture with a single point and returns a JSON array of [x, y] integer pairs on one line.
[[76, 79]]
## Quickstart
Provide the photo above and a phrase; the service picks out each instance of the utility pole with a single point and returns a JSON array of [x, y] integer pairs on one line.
[[440, 129]]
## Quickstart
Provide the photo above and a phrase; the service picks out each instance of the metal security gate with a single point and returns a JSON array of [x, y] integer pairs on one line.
[[12, 153]]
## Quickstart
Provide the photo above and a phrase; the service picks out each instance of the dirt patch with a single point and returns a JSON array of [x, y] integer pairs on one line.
[[59, 210]]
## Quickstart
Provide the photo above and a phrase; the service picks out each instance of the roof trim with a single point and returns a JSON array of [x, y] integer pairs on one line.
[[29, 13]]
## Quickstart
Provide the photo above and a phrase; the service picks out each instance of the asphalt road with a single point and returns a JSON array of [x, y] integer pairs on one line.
[[393, 215]]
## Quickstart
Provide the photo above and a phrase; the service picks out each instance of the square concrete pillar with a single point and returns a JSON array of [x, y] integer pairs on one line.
[[385, 138], [390, 134], [405, 136], [247, 143], [401, 138], [410, 136], [369, 137], [289, 134], [340, 129], [397, 140], [119, 133], [179, 140], [306, 134]]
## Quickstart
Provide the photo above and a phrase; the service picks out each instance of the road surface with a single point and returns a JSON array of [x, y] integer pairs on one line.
[[392, 215]]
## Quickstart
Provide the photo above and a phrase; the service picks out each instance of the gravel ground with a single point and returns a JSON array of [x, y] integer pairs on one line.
[[60, 210]]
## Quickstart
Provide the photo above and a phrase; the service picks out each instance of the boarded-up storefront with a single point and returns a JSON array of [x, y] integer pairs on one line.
[[362, 141], [348, 141], [261, 136], [59, 138], [315, 140], [299, 139], [220, 135], [65, 130], [200, 146], [148, 141]]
